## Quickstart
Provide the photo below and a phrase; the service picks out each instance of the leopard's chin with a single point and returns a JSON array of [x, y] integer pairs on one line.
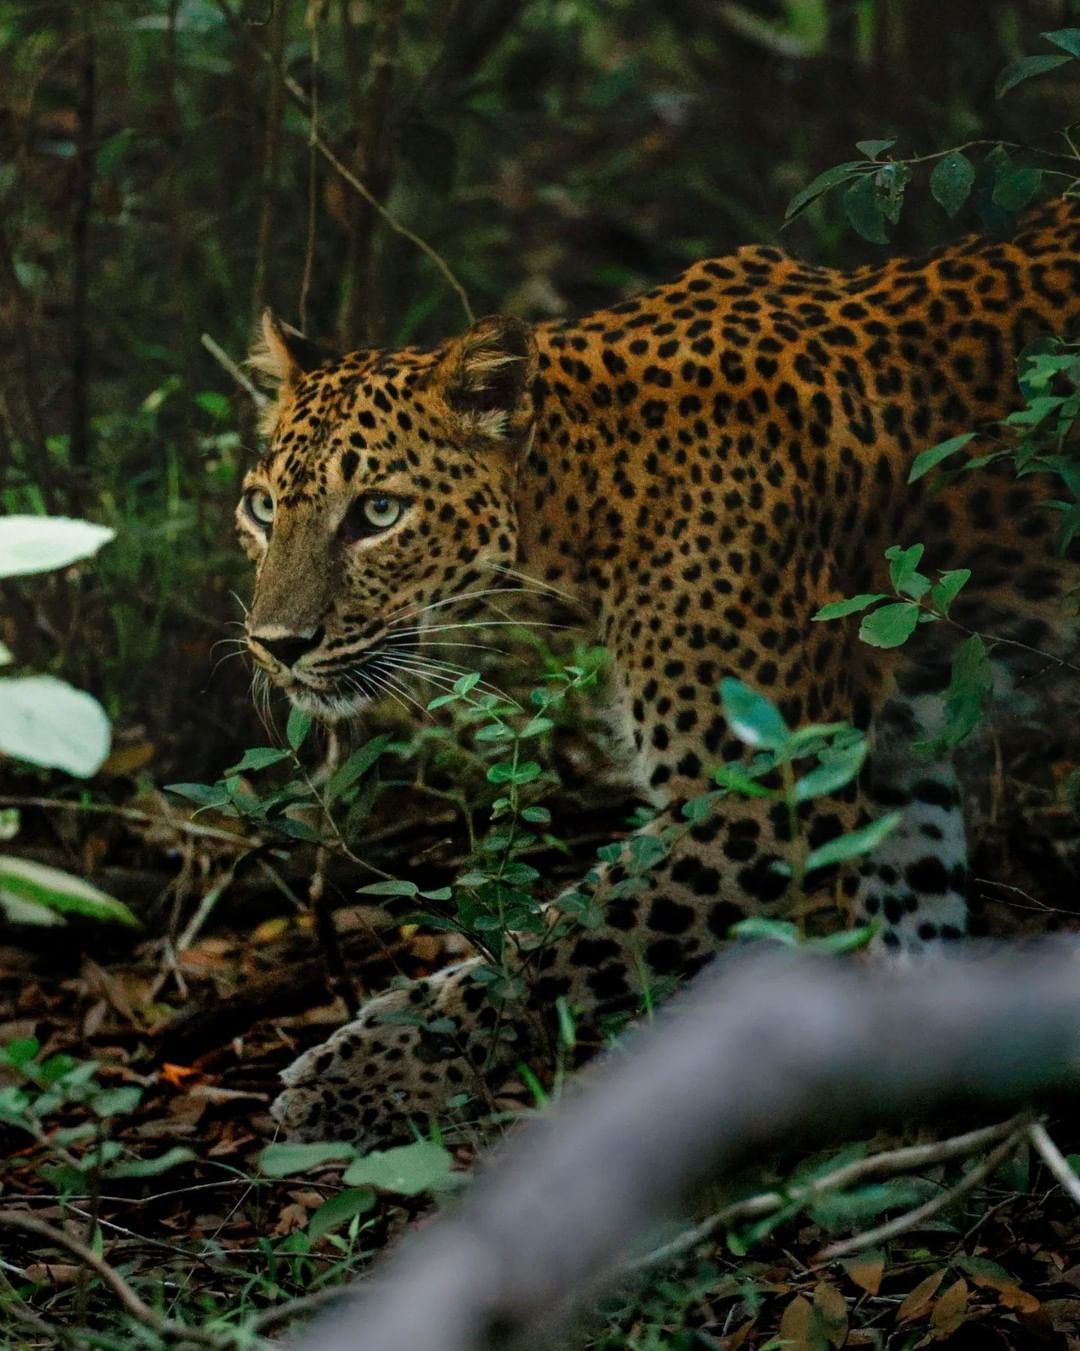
[[329, 703]]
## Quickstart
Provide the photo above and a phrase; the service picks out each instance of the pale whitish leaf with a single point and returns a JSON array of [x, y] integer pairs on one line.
[[408, 1170], [49, 723], [285, 1159], [754, 719], [31, 544], [951, 181], [22, 912], [890, 626], [854, 844], [1024, 69], [840, 609], [930, 459], [36, 884], [5, 655]]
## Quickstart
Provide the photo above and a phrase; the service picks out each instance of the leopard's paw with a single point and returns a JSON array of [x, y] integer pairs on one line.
[[408, 1056]]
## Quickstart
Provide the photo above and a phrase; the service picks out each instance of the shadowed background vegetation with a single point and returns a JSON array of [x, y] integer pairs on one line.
[[170, 166]]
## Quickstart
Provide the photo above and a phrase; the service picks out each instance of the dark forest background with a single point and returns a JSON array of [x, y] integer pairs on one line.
[[168, 167]]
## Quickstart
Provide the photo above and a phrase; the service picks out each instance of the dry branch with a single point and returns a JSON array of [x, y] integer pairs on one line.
[[766, 1052]]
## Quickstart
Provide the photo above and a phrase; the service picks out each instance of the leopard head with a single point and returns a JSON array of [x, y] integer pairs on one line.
[[387, 490]]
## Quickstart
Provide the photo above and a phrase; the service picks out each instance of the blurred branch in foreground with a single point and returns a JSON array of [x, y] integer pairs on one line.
[[765, 1052]]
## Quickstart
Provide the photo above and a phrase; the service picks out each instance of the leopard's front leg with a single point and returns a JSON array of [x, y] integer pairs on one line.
[[413, 1051]]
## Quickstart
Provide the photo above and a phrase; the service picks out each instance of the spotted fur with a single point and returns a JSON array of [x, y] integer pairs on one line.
[[703, 467]]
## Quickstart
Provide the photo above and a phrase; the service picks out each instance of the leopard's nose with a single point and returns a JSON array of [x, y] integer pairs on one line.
[[288, 648]]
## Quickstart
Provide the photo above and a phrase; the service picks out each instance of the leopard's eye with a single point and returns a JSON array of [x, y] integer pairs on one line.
[[370, 515], [381, 511], [259, 505]]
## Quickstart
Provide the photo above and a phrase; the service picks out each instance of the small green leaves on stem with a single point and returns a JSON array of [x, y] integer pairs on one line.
[[951, 181]]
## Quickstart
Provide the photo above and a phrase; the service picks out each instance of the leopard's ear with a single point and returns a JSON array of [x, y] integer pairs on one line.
[[282, 354], [487, 377]]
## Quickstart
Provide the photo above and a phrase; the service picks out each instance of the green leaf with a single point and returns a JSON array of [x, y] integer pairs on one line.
[[854, 844], [946, 590], [864, 211], [259, 757], [780, 931], [872, 149], [970, 685], [393, 886], [755, 720], [1068, 39], [284, 1159], [903, 563], [116, 1101], [21, 1052], [339, 1210], [32, 544], [202, 794], [735, 779], [356, 766], [408, 1170], [951, 181], [49, 723], [1024, 68], [36, 884], [838, 768], [494, 731], [1014, 188], [161, 1163], [930, 459], [891, 626], [840, 609], [297, 728], [889, 184], [831, 178]]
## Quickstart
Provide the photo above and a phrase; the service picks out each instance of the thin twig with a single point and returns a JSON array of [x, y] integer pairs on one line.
[[258, 398], [888, 1163], [1054, 1160], [302, 100], [911, 1219], [321, 909], [139, 1310], [138, 817], [315, 1302]]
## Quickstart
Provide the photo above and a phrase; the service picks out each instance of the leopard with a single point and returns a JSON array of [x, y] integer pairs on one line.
[[701, 468]]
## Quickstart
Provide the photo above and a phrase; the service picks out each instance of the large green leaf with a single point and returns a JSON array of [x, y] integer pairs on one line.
[[27, 883], [755, 720], [30, 544], [49, 723], [952, 181], [890, 626], [1024, 69], [408, 1170], [284, 1159]]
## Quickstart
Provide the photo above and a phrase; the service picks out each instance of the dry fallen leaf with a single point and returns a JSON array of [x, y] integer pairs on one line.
[[950, 1310], [832, 1312], [866, 1270], [918, 1300]]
